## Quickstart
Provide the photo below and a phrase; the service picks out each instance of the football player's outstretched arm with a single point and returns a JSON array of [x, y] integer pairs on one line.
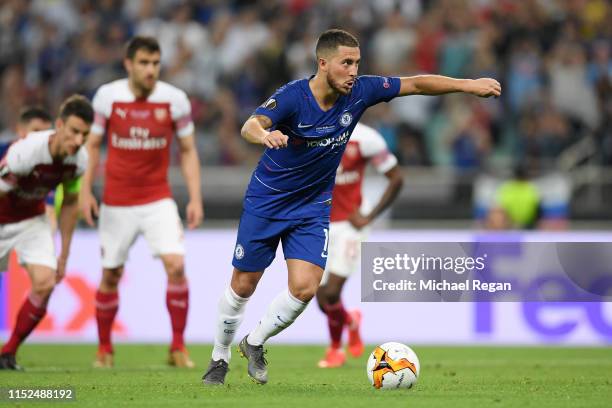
[[68, 217], [89, 205], [255, 131], [438, 85], [190, 165]]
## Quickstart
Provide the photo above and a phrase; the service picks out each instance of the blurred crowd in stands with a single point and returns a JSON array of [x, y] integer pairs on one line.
[[553, 58]]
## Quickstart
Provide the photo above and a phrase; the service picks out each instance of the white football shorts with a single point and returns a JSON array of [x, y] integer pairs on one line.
[[32, 239], [158, 222], [344, 249]]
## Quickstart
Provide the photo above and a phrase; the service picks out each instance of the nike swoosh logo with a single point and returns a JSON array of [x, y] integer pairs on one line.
[[300, 126]]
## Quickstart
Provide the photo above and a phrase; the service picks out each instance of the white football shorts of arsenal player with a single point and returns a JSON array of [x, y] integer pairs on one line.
[[365, 146], [32, 240], [158, 222], [28, 173], [137, 197], [344, 249]]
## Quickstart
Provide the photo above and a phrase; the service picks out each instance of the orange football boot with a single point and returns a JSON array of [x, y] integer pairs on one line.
[[180, 358], [103, 359], [334, 357]]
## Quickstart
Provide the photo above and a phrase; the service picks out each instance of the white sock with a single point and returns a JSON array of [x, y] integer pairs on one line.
[[283, 311], [229, 317]]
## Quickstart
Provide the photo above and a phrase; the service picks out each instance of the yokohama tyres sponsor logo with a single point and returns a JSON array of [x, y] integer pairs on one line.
[[329, 141], [153, 143]]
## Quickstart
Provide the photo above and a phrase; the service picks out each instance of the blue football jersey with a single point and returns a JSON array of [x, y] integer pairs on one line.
[[297, 181]]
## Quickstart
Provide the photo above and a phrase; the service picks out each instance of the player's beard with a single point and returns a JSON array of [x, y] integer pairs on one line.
[[72, 150], [336, 86], [146, 85]]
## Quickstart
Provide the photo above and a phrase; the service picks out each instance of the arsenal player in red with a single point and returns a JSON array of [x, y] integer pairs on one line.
[[34, 119], [33, 166], [347, 228], [140, 116]]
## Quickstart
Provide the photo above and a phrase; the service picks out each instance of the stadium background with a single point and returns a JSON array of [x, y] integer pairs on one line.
[[552, 57]]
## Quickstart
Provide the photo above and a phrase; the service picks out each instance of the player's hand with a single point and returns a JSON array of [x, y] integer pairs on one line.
[[358, 221], [89, 208], [61, 268], [484, 87], [195, 213], [275, 140]]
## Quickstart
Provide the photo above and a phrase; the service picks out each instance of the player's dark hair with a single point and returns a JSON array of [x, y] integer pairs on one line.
[[330, 40], [140, 42], [29, 113], [79, 106]]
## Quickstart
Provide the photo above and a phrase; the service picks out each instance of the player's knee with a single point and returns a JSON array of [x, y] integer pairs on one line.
[[244, 288], [305, 292], [332, 298], [322, 298], [111, 277], [323, 295], [244, 283], [175, 269], [42, 285], [322, 292], [333, 293]]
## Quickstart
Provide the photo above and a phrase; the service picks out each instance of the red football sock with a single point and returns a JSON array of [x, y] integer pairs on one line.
[[348, 320], [336, 319], [32, 311], [107, 305], [177, 301]]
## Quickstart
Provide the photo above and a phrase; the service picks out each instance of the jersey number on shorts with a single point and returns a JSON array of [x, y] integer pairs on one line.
[[324, 253]]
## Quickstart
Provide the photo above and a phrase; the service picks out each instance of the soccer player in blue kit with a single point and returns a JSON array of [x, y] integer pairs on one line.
[[304, 126]]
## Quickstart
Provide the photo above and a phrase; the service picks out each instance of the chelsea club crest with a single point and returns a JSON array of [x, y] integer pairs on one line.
[[239, 252], [346, 119]]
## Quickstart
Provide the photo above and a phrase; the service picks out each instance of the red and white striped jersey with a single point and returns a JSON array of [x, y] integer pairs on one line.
[[28, 173], [365, 146], [139, 133]]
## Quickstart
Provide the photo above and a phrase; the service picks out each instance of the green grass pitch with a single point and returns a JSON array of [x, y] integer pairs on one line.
[[450, 377]]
